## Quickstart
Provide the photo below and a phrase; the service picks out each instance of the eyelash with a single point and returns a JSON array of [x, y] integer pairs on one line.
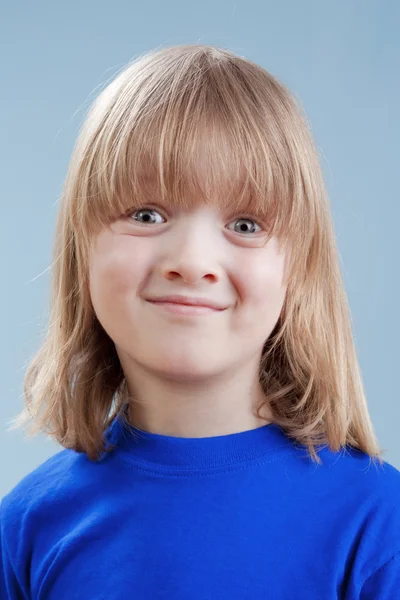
[[147, 208]]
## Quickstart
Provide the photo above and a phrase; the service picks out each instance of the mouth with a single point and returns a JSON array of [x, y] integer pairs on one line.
[[180, 308]]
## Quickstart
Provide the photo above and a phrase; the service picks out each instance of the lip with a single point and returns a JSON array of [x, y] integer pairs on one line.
[[180, 300], [187, 310]]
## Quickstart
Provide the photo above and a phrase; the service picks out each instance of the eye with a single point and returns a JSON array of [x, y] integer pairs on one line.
[[144, 216], [149, 215], [246, 225]]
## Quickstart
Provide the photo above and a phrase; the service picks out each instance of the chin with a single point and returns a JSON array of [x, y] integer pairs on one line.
[[184, 369]]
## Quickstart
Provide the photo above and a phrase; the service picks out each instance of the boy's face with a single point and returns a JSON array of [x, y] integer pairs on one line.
[[204, 253]]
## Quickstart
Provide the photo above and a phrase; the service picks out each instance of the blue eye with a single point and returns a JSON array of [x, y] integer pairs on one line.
[[243, 228], [245, 224], [147, 219]]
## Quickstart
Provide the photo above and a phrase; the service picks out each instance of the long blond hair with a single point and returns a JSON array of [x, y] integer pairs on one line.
[[151, 123]]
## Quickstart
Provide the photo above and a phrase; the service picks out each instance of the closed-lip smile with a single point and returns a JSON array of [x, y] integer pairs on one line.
[[188, 301]]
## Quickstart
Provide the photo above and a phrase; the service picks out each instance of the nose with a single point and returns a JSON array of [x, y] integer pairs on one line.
[[193, 255]]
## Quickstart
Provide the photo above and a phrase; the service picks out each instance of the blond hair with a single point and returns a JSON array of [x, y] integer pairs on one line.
[[156, 118]]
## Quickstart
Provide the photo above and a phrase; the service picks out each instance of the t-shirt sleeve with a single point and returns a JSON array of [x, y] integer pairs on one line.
[[9, 587], [384, 583]]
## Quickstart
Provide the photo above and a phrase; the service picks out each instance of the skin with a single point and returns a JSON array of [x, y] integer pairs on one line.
[[189, 376]]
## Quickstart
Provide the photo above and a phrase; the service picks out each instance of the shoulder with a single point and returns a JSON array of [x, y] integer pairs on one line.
[[376, 564], [358, 499], [357, 475], [369, 491], [33, 511], [350, 463], [379, 480], [38, 492]]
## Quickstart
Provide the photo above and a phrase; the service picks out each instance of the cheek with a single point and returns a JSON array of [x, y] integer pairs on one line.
[[260, 285], [115, 273]]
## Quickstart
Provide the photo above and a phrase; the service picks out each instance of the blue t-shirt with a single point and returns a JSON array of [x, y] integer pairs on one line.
[[241, 516]]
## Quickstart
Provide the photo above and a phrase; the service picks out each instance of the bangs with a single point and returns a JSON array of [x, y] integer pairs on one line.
[[198, 130], [181, 163]]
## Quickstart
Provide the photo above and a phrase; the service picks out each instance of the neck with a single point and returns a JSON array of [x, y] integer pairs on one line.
[[220, 405]]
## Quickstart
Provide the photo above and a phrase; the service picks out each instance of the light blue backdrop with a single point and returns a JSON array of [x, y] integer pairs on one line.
[[340, 58]]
